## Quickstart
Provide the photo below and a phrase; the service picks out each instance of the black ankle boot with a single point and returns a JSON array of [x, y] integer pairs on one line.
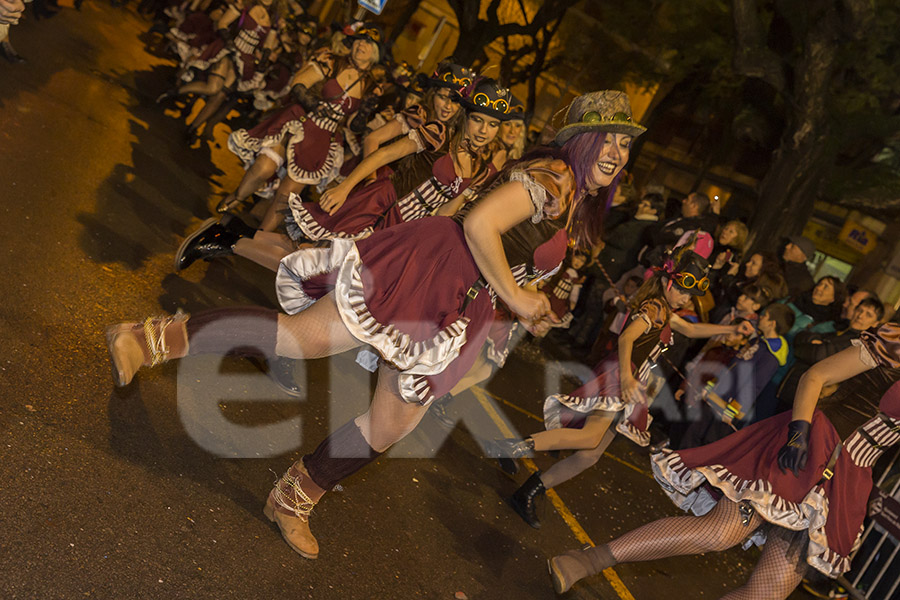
[[210, 240], [281, 372], [237, 226], [523, 500], [507, 450], [167, 96], [10, 54], [438, 410]]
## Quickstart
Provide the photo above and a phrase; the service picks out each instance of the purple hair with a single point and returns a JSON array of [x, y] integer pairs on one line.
[[581, 153]]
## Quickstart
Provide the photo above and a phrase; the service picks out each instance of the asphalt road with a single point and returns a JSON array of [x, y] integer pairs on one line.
[[156, 490]]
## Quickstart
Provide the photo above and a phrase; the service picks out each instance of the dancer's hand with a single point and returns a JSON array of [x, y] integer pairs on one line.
[[531, 306], [538, 328], [631, 389], [745, 328], [10, 11], [792, 456], [332, 200]]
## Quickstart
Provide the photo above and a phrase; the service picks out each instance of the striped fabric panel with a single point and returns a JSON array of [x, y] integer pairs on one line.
[[861, 451], [246, 41], [434, 194]]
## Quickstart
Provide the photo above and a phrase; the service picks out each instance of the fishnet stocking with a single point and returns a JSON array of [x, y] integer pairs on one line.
[[315, 332], [719, 529], [774, 577], [389, 418]]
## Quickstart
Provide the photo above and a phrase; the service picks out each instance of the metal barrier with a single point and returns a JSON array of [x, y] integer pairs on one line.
[[875, 574]]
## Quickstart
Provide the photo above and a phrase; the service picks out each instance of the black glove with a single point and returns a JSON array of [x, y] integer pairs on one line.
[[361, 120], [302, 96], [225, 34], [793, 455], [263, 64]]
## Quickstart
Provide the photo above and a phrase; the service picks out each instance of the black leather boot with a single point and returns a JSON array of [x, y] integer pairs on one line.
[[237, 226], [524, 498], [507, 450], [10, 54], [210, 240], [281, 371], [438, 410]]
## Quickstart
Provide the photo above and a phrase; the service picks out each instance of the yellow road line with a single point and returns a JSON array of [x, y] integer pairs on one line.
[[580, 534], [533, 416]]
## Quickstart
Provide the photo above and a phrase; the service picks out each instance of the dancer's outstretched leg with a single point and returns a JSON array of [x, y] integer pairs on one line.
[[254, 178], [723, 527], [590, 442], [275, 214], [344, 452], [314, 333], [265, 248], [775, 575]]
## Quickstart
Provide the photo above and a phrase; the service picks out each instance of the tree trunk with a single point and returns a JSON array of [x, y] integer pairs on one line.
[[792, 184], [788, 192]]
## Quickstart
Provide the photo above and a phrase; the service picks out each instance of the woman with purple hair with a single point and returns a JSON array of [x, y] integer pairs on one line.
[[421, 293]]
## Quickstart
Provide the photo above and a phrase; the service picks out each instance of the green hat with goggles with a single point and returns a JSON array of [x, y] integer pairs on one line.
[[608, 110]]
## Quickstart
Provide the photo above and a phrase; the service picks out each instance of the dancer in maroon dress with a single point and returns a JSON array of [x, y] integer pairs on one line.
[[440, 171], [232, 61], [624, 383], [789, 481], [422, 294], [304, 138], [426, 130]]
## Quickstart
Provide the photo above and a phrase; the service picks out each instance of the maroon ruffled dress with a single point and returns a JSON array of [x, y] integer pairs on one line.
[[195, 31], [405, 290], [602, 393], [315, 146], [420, 185], [248, 39], [743, 466]]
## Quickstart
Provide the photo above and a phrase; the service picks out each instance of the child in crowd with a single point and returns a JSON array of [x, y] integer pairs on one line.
[[565, 288], [729, 397], [752, 298]]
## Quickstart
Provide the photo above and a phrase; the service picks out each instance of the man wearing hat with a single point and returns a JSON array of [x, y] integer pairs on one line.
[[796, 253]]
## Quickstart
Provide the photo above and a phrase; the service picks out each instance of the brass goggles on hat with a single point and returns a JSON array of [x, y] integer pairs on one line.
[[449, 77], [372, 34], [593, 117], [500, 104], [689, 281]]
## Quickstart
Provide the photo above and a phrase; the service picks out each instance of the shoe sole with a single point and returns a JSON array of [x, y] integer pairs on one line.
[[112, 332], [190, 238], [269, 512], [559, 581]]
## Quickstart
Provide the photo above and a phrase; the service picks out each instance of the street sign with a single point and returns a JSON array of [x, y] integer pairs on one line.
[[860, 238], [375, 6]]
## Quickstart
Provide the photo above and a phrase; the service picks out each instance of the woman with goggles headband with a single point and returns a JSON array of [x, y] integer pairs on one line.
[[421, 293], [624, 384]]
